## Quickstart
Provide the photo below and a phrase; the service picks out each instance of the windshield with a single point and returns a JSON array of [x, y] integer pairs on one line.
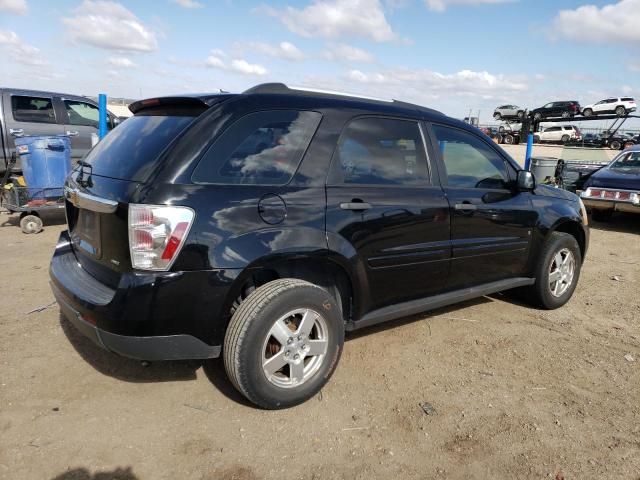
[[627, 162], [131, 151]]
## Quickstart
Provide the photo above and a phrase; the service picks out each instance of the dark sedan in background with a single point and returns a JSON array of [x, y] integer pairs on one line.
[[616, 187], [564, 109]]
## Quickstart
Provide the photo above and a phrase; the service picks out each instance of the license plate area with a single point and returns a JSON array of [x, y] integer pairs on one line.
[[86, 233]]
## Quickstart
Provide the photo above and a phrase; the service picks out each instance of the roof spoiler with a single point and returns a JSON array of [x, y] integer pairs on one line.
[[198, 102]]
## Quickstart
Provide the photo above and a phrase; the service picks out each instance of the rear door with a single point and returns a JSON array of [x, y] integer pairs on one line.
[[29, 115], [81, 123], [383, 206], [490, 223]]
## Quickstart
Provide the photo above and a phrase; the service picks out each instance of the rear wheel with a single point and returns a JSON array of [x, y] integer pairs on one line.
[[565, 139], [557, 272], [566, 114], [620, 111], [537, 116], [520, 115], [31, 224], [283, 343], [599, 215], [508, 139], [615, 145]]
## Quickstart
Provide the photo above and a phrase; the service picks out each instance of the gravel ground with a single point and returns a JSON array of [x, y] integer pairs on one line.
[[510, 391]]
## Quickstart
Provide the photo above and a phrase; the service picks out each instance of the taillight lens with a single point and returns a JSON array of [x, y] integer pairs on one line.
[[156, 234]]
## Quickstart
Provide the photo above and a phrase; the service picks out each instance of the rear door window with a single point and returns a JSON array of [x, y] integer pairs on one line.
[[131, 151], [262, 148], [381, 151], [32, 109]]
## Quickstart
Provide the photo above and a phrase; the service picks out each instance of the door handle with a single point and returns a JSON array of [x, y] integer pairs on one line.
[[16, 132], [355, 206], [465, 206], [72, 133]]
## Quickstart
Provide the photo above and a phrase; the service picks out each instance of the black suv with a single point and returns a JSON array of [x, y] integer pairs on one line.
[[262, 226], [564, 109]]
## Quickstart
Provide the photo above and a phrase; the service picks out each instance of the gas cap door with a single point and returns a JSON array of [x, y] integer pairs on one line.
[[272, 209]]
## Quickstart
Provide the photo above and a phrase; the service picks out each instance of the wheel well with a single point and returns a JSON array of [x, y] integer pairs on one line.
[[323, 273], [575, 230]]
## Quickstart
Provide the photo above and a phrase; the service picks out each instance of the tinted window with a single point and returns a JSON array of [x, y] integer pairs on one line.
[[262, 148], [553, 129], [381, 151], [81, 113], [32, 109], [131, 151], [627, 99], [470, 162]]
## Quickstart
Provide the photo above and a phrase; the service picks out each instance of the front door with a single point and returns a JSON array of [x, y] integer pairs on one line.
[[385, 214], [491, 223], [81, 124], [29, 115]]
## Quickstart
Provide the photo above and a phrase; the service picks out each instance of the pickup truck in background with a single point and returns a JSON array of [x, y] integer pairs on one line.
[[29, 112]]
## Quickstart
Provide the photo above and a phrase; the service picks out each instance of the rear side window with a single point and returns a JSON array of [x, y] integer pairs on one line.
[[627, 99], [131, 151], [32, 109], [470, 162], [262, 148], [381, 151]]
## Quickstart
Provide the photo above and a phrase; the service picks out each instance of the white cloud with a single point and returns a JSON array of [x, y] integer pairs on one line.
[[20, 51], [441, 5], [121, 62], [421, 82], [110, 25], [238, 65], [188, 3], [18, 7], [614, 23], [634, 66], [284, 50], [336, 18], [347, 53]]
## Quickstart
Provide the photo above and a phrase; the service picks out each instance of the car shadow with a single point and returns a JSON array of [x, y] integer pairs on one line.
[[127, 369], [84, 474], [619, 222]]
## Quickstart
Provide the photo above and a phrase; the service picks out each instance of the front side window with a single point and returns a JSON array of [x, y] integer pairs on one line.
[[81, 113], [470, 162], [262, 148], [381, 151], [32, 109]]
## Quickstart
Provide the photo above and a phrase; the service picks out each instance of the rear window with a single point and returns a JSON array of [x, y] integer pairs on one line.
[[628, 99], [262, 148], [130, 151]]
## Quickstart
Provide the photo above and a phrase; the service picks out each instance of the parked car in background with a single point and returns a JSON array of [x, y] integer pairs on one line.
[[508, 112], [185, 243], [558, 134], [592, 139], [564, 109], [619, 105], [29, 112], [616, 187]]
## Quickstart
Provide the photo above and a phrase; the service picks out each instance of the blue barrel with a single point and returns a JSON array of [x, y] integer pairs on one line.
[[46, 162]]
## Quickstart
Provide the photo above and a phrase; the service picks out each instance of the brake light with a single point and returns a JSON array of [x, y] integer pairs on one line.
[[156, 234]]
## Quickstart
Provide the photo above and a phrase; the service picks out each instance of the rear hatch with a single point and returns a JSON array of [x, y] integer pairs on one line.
[[101, 186]]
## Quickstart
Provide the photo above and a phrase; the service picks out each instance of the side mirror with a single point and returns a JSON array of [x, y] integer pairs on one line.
[[525, 182]]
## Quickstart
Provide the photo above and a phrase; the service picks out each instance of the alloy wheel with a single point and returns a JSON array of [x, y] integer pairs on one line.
[[561, 272]]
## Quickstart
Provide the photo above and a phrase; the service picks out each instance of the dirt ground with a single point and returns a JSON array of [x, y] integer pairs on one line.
[[512, 392]]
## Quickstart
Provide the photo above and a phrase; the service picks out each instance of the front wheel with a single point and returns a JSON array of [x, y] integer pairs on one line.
[[566, 114], [557, 272], [587, 112], [497, 116], [615, 145], [621, 111], [537, 116], [283, 343]]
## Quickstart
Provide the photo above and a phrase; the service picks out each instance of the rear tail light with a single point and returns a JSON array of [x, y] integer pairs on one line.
[[156, 234]]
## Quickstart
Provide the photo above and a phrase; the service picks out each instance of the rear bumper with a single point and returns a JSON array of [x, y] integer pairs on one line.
[[611, 205], [149, 316]]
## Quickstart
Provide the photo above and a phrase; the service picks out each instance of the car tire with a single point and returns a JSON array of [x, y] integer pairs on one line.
[[273, 325], [508, 139], [565, 139], [587, 112], [497, 116], [566, 114], [599, 215], [615, 145], [536, 139], [31, 224], [621, 111], [520, 115], [562, 259], [537, 116]]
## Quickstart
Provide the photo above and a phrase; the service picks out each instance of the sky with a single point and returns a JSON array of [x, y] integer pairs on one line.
[[456, 56]]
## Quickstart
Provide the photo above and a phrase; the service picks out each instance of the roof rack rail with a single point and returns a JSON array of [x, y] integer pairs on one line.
[[275, 88]]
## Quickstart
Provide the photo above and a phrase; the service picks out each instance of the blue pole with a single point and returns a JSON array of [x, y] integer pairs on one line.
[[102, 118], [527, 157]]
